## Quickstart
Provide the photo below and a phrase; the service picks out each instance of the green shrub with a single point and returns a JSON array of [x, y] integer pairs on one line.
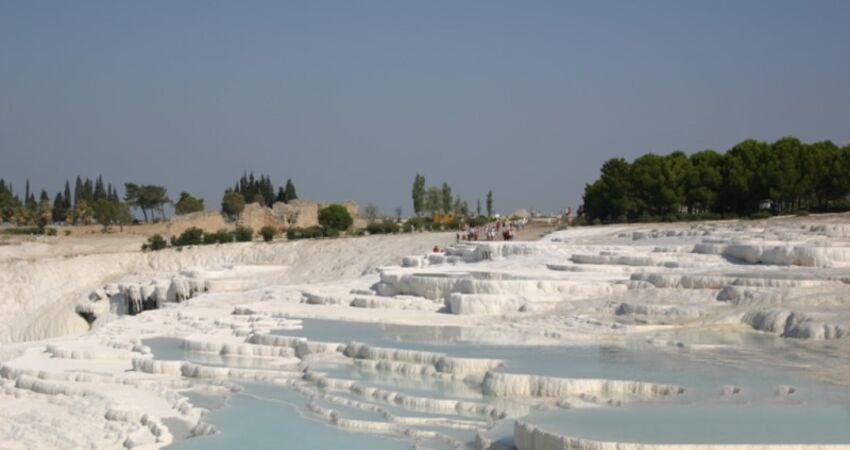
[[315, 231], [243, 234], [268, 233], [335, 217], [383, 227], [219, 237], [50, 231], [456, 224], [304, 233], [418, 223], [760, 215], [191, 236], [154, 243], [375, 228], [225, 236], [407, 227], [801, 213], [331, 232], [22, 231], [645, 217], [67, 232], [579, 221], [479, 221], [390, 226]]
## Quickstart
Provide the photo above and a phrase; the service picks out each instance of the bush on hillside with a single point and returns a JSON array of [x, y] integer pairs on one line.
[[23, 231], [390, 226], [268, 233], [478, 221], [760, 215], [456, 224], [304, 233], [579, 221], [243, 234], [191, 236], [383, 227], [417, 223], [335, 217], [219, 237], [154, 243]]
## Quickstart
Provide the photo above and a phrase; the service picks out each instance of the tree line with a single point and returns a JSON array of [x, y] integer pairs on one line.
[[93, 200], [261, 190], [429, 200], [753, 177], [90, 199], [249, 189]]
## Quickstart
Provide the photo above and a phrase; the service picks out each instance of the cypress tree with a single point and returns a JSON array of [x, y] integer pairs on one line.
[[88, 191], [67, 196], [59, 208], [289, 192], [489, 203], [78, 191], [99, 190]]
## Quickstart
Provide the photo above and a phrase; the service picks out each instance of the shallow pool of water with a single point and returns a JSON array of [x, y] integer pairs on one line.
[[760, 411], [635, 361], [703, 424], [269, 417]]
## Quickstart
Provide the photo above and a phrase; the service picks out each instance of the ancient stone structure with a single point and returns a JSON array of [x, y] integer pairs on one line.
[[256, 216], [297, 213], [209, 221]]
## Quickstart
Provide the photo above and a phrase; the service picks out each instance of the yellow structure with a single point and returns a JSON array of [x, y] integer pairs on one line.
[[443, 218]]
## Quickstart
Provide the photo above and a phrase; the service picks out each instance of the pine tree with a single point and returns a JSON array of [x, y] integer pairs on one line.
[[31, 204], [78, 195], [99, 190], [67, 196], [88, 191], [45, 211], [59, 207], [289, 192]]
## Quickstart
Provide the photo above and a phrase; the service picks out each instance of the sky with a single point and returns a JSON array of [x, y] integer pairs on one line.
[[352, 99]]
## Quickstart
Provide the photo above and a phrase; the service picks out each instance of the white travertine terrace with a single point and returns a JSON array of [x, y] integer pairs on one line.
[[76, 354]]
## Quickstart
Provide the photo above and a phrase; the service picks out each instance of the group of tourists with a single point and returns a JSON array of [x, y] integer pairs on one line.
[[492, 232]]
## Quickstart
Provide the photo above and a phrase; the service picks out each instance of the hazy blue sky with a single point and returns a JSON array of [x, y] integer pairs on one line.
[[351, 99]]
